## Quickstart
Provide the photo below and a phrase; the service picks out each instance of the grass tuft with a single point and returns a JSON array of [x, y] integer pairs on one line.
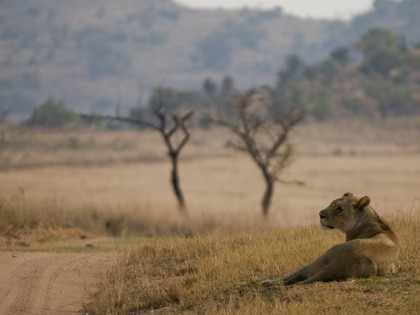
[[12, 219]]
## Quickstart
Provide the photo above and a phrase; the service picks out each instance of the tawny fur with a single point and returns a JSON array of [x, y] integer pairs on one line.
[[371, 247]]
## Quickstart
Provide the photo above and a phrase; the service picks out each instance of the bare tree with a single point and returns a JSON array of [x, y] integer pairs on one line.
[[168, 125], [262, 133]]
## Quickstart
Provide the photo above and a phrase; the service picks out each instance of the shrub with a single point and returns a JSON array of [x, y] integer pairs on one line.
[[4, 113], [391, 98], [322, 105], [52, 113]]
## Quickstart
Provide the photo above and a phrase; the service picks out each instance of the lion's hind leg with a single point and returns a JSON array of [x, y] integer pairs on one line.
[[293, 278], [328, 273], [306, 272]]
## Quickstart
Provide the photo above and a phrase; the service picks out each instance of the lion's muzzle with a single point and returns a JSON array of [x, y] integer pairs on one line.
[[322, 217]]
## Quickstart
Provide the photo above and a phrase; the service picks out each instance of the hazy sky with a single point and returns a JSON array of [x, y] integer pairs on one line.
[[313, 8]]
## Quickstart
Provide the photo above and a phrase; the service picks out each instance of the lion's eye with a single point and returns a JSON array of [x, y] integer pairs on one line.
[[339, 210]]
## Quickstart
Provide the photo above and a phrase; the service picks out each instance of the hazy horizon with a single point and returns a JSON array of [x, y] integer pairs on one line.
[[320, 9]]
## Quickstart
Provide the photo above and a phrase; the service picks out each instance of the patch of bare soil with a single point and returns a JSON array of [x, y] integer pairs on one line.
[[26, 237], [48, 283]]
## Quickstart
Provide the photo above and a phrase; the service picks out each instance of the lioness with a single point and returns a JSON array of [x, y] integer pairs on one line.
[[370, 249]]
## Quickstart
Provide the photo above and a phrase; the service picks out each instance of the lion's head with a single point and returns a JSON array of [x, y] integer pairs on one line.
[[342, 213]]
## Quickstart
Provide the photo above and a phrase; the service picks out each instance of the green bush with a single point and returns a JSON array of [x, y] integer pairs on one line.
[[52, 114], [382, 50], [322, 105], [392, 98], [4, 113]]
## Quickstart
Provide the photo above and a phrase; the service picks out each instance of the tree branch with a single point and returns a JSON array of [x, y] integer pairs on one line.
[[123, 119], [225, 123], [186, 137]]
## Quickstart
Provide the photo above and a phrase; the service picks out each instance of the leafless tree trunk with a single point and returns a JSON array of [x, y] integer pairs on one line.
[[262, 134], [175, 149], [167, 130]]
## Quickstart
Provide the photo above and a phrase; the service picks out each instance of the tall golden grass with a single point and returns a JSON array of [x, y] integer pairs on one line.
[[224, 274], [80, 178]]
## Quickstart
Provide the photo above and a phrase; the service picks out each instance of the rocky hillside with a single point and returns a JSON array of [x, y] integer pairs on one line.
[[93, 54]]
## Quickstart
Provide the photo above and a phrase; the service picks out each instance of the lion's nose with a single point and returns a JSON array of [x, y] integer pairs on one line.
[[322, 216]]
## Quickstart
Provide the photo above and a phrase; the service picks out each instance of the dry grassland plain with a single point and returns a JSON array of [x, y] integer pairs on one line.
[[64, 190]]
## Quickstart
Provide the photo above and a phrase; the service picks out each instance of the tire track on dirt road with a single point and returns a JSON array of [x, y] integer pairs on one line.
[[48, 283]]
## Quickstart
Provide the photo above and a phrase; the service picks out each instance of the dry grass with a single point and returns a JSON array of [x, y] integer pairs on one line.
[[223, 275], [223, 194], [32, 222], [49, 185], [29, 148], [74, 184]]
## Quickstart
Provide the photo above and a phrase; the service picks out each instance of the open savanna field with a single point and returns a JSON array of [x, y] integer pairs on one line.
[[107, 194]]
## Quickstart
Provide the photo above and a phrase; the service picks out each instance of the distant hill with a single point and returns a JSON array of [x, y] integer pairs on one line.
[[93, 54], [402, 17]]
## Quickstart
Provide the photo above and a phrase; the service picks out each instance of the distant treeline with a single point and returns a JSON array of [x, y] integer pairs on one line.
[[378, 77]]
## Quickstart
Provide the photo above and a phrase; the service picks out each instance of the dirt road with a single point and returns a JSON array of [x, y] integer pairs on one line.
[[48, 283]]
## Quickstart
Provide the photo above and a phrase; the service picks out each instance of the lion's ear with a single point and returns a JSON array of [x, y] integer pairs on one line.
[[362, 203]]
